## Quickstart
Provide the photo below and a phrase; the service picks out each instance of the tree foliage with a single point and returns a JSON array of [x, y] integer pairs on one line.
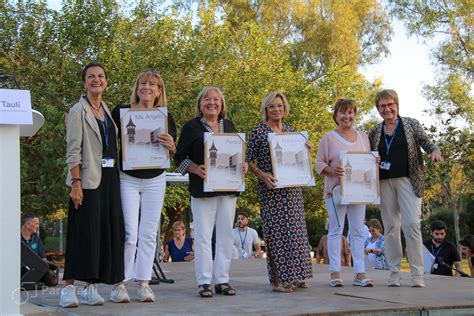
[[309, 50], [451, 24]]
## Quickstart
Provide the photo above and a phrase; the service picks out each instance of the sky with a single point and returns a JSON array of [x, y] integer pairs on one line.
[[405, 70]]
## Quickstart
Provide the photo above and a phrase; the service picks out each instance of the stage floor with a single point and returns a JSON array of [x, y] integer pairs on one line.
[[441, 296]]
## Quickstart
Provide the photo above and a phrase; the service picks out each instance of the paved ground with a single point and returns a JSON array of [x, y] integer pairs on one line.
[[441, 296]]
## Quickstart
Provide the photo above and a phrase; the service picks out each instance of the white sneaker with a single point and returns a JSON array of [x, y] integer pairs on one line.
[[145, 294], [417, 281], [394, 280], [119, 294], [90, 296], [67, 297]]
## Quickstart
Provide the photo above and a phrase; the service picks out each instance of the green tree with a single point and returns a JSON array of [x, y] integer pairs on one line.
[[309, 51], [451, 24]]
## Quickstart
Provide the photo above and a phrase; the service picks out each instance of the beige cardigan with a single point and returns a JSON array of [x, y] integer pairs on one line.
[[84, 144]]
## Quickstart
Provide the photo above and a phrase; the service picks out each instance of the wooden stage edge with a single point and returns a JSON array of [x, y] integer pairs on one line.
[[440, 296]]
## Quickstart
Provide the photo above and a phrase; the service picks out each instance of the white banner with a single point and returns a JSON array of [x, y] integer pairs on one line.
[[15, 107]]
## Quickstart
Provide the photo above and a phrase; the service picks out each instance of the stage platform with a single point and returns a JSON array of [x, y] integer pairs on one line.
[[441, 296]]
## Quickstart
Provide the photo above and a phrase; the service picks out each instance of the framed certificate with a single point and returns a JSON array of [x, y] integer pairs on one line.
[[360, 183], [291, 162], [224, 155], [140, 130]]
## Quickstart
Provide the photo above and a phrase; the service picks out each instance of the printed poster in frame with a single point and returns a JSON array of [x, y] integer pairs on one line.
[[360, 182], [140, 129], [224, 155], [291, 161]]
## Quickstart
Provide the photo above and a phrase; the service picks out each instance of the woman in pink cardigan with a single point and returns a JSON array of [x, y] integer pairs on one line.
[[343, 138]]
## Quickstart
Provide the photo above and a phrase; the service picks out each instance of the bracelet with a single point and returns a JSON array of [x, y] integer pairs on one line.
[[74, 180]]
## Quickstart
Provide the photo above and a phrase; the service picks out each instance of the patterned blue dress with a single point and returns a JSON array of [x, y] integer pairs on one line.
[[282, 213]]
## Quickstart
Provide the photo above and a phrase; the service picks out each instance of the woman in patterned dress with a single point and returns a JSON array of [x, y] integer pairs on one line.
[[282, 210]]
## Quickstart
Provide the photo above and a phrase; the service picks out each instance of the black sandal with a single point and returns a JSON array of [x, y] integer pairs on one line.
[[206, 291], [225, 289]]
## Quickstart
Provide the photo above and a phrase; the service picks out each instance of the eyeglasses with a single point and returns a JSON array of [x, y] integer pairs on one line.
[[388, 105]]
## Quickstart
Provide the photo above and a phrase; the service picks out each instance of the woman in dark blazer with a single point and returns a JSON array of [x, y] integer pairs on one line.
[[209, 208], [95, 231]]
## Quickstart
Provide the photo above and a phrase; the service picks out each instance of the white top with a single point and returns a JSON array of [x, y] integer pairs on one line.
[[372, 256], [243, 241]]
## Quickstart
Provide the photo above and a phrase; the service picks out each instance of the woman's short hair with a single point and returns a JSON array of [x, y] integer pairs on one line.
[[178, 224], [90, 65], [268, 99], [204, 93], [375, 223], [386, 94], [145, 75], [342, 105]]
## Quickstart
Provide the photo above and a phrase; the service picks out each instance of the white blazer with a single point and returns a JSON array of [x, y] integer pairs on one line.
[[84, 144]]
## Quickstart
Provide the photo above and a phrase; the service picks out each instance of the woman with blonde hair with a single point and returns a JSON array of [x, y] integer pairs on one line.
[[143, 191], [282, 210], [180, 248], [209, 208]]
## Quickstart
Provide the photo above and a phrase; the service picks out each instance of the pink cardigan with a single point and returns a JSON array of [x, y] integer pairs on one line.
[[328, 155]]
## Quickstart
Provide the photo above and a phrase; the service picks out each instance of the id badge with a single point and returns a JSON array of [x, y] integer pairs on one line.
[[385, 165], [108, 162]]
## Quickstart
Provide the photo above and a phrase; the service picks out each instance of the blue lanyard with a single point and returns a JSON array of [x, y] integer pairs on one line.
[[389, 143], [242, 242], [433, 251], [104, 125]]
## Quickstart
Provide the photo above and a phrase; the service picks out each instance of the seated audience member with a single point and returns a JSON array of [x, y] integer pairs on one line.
[[30, 238], [322, 250], [180, 248], [374, 245], [444, 252], [467, 250], [246, 237]]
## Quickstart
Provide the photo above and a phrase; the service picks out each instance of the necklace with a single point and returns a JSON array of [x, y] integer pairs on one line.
[[97, 111]]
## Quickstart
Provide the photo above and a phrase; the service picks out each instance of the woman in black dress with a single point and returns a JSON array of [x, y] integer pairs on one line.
[[95, 231]]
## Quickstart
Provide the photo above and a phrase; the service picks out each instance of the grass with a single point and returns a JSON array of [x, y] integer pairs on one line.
[[406, 268], [51, 244]]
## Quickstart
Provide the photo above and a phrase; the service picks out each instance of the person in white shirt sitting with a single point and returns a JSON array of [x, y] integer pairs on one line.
[[246, 237]]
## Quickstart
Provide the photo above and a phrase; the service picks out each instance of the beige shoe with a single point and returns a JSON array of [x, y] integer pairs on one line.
[[119, 294], [394, 280], [417, 281], [145, 294]]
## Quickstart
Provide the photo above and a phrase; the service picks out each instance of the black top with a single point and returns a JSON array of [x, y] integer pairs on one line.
[[146, 173], [191, 146], [448, 252], [35, 244], [398, 154], [107, 133]]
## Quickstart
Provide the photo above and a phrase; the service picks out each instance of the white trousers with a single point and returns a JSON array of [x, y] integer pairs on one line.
[[219, 210], [141, 198], [400, 207], [357, 231]]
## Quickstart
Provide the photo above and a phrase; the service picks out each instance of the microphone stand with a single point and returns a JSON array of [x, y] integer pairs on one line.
[[441, 261]]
